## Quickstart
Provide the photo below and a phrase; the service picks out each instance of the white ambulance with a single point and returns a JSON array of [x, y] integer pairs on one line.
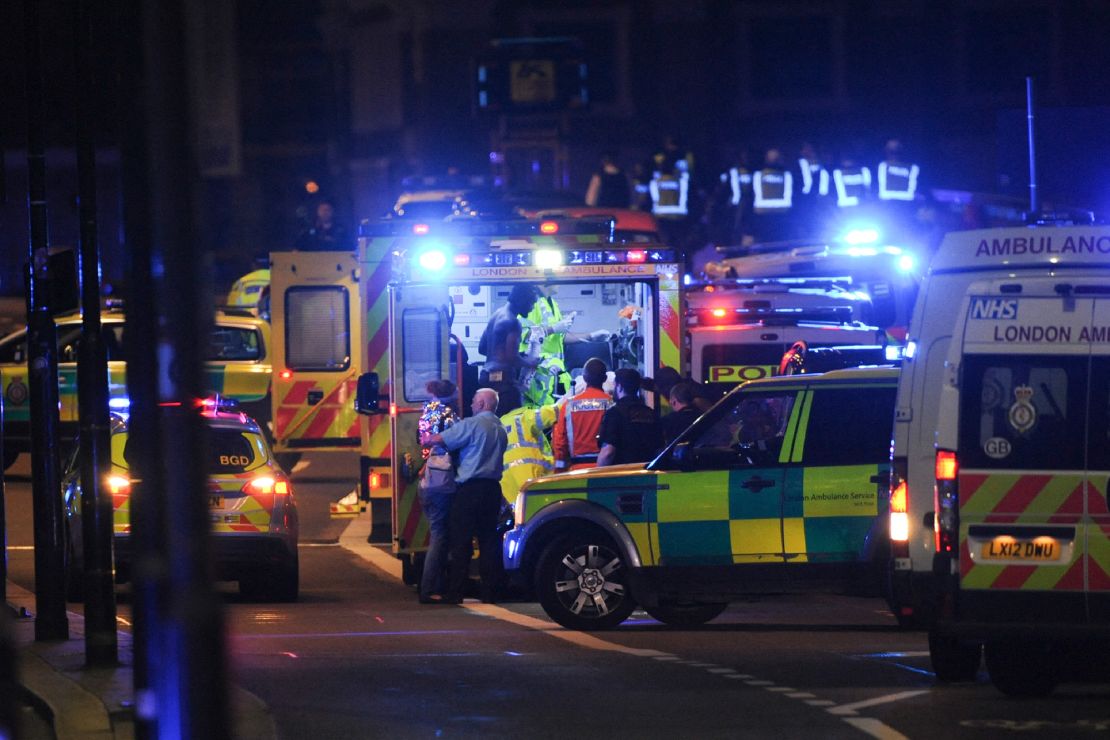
[[1063, 252], [1022, 463]]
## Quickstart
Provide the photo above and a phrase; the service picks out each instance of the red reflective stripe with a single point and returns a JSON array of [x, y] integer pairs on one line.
[[1023, 493], [322, 421], [298, 393], [411, 522], [1073, 580], [283, 418], [970, 483], [1071, 508], [1014, 576]]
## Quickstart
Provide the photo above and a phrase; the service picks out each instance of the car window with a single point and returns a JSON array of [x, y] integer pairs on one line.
[[234, 343], [1099, 444], [849, 426], [316, 335], [233, 451], [13, 348], [1023, 412], [747, 422]]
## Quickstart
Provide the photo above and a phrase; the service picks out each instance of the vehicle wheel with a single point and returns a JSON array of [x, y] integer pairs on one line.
[[10, 456], [953, 660], [1021, 668], [582, 583], [685, 615]]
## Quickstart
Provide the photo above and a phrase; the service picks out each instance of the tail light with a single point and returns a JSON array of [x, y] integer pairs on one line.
[[286, 374], [946, 520], [266, 484], [119, 485], [899, 510], [549, 227]]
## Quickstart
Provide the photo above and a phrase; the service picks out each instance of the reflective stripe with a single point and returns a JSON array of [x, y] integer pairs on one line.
[[660, 184], [541, 462], [736, 182], [803, 425], [898, 173], [761, 200], [807, 170], [860, 182]]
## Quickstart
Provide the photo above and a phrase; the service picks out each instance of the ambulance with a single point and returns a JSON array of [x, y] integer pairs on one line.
[[1022, 527], [1058, 250], [410, 306]]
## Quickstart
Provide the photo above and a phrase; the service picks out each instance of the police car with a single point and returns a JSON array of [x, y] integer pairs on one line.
[[237, 365], [252, 510], [781, 486]]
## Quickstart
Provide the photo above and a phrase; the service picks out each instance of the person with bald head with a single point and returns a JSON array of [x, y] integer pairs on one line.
[[480, 441]]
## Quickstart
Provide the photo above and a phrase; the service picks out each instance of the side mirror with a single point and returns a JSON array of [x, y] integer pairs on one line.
[[367, 398]]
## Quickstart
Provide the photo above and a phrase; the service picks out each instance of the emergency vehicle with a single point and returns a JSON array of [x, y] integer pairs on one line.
[[887, 273], [1021, 522], [739, 330], [252, 510], [236, 365], [780, 487], [1066, 253]]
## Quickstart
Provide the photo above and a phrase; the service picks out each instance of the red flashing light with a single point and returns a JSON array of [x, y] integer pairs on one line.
[[266, 484], [549, 227], [375, 481], [118, 485], [286, 375], [946, 467], [462, 260], [898, 502], [637, 255], [393, 410], [719, 313], [420, 229]]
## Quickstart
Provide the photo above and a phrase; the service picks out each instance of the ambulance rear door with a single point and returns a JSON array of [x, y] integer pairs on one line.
[[419, 320], [1023, 495], [316, 335]]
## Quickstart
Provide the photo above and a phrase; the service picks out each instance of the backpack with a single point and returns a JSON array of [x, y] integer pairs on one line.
[[438, 475]]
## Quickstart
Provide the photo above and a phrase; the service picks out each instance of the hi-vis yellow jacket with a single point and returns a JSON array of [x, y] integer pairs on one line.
[[528, 454]]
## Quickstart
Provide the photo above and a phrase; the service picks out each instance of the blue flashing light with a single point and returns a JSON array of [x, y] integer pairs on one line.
[[894, 353], [911, 350], [906, 263], [119, 404], [861, 235], [857, 251], [432, 259]]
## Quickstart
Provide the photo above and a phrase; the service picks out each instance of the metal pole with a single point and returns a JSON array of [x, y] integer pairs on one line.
[[1034, 201], [101, 642], [51, 622], [191, 693], [149, 554]]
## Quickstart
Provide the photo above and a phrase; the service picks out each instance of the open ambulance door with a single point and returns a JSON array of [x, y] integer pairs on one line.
[[316, 336], [419, 320]]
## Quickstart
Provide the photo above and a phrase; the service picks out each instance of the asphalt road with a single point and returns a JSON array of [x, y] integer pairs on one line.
[[358, 657]]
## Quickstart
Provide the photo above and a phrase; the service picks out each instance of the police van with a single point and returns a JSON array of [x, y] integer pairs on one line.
[[780, 487], [1022, 526], [1065, 253], [738, 330]]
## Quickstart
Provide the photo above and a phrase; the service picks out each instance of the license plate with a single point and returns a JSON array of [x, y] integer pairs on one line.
[[215, 502], [1042, 549]]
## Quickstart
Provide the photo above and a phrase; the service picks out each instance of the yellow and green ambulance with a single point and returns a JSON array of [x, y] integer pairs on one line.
[[781, 486]]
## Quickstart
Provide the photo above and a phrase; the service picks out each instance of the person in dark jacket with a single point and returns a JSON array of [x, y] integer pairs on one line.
[[630, 431], [683, 411], [608, 186]]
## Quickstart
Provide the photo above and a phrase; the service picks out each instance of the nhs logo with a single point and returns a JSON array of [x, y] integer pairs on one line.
[[994, 308]]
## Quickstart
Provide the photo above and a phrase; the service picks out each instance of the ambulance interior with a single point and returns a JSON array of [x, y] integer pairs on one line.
[[624, 310]]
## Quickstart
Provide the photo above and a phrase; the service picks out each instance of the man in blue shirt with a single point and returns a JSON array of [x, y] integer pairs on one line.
[[480, 441]]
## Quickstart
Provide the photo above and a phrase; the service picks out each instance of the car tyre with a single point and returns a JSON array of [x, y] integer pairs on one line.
[[582, 582], [1021, 668], [685, 615], [952, 659]]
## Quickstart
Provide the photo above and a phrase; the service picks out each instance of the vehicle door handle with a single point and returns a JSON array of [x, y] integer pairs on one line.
[[632, 503], [315, 396], [757, 484]]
